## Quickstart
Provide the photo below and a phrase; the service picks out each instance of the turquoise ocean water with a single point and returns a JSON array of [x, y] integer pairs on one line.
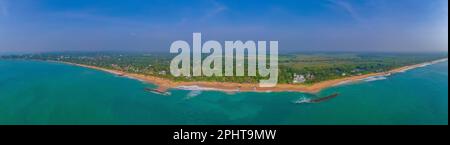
[[34, 92]]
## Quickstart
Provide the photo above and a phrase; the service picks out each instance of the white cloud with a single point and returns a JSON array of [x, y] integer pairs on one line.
[[215, 9], [218, 8], [347, 7]]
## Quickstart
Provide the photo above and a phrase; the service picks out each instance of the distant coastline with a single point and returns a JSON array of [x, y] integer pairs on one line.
[[165, 84]]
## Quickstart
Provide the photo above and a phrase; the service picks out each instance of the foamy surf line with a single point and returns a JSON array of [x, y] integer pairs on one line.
[[198, 88], [385, 76], [423, 65], [367, 79], [375, 78]]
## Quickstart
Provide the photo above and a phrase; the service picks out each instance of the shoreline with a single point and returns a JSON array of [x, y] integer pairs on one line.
[[165, 84]]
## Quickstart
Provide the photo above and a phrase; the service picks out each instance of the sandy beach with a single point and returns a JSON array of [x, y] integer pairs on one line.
[[165, 84]]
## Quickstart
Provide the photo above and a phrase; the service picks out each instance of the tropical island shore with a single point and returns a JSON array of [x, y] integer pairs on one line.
[[165, 84]]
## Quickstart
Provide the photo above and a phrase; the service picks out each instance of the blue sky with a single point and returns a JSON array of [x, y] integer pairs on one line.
[[152, 25]]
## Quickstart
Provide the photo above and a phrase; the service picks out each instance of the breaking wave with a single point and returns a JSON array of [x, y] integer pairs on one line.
[[303, 100], [193, 94], [198, 88], [375, 78]]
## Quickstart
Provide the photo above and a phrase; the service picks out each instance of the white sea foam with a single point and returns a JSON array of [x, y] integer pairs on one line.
[[193, 88], [424, 65], [198, 88], [402, 71], [375, 78], [193, 94], [303, 100], [384, 77]]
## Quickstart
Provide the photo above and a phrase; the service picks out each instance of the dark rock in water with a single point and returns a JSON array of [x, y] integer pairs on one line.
[[317, 100], [324, 98]]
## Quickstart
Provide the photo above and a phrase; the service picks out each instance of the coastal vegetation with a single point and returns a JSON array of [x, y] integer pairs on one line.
[[301, 68]]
